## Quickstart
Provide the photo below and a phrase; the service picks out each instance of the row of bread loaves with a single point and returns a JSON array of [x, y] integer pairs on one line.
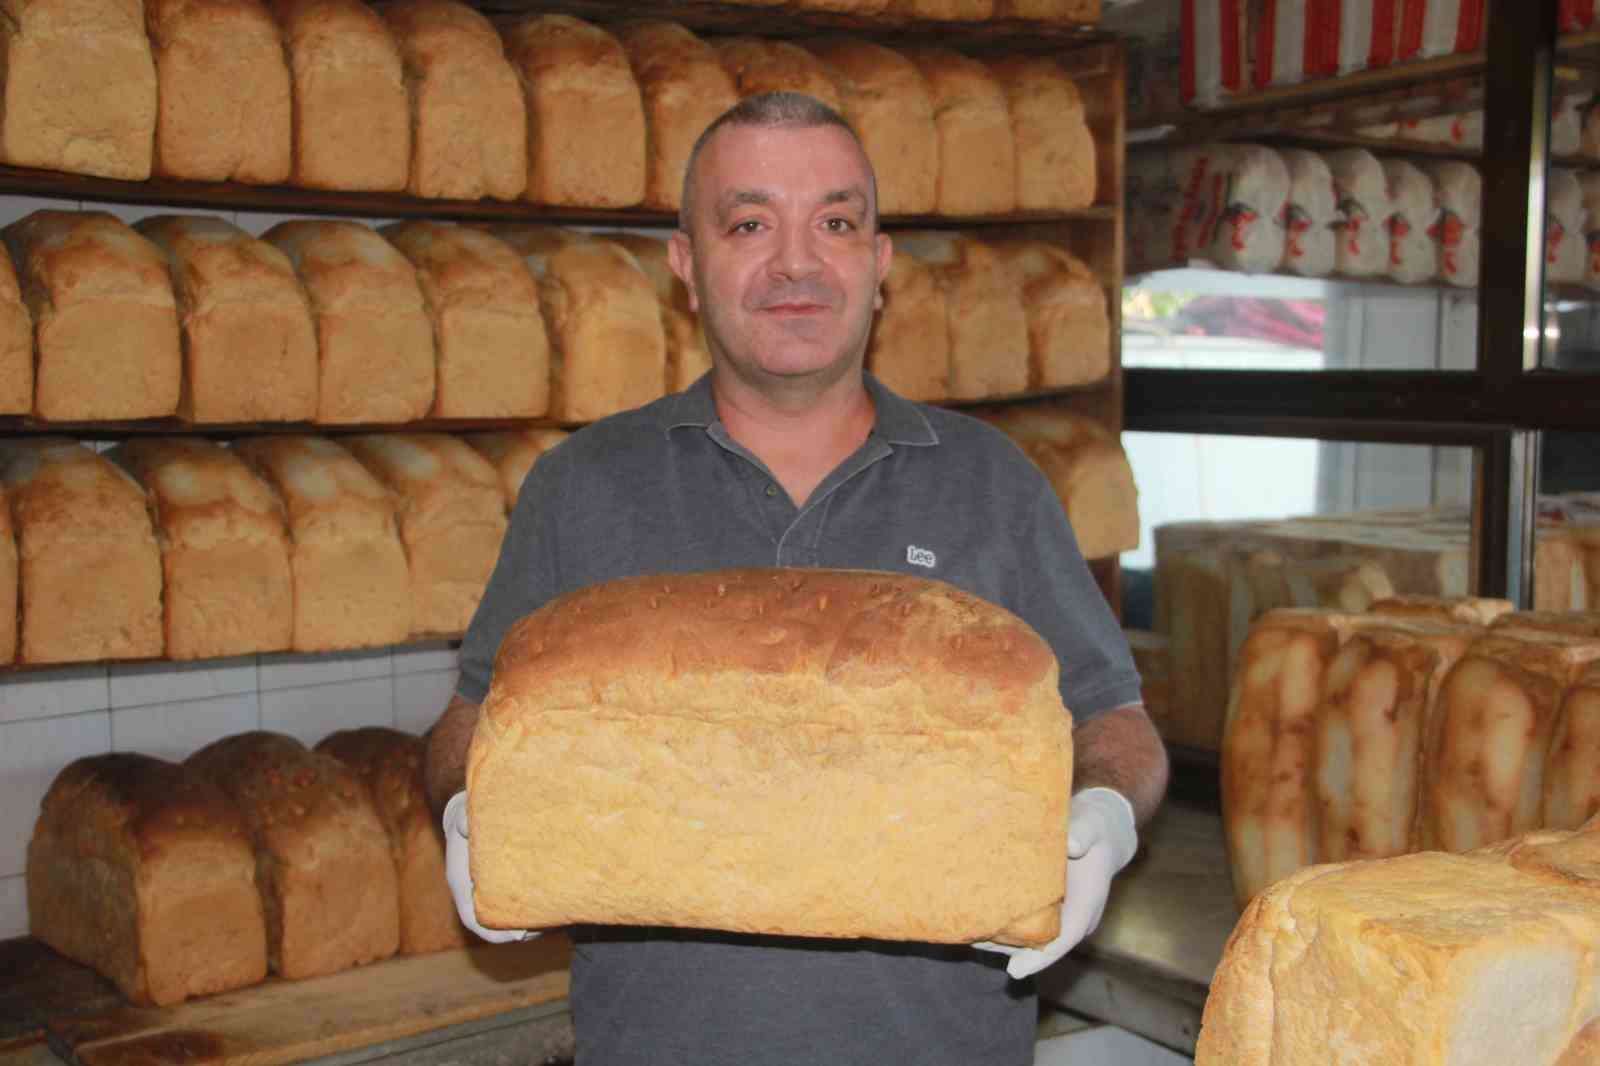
[[333, 321], [254, 854], [429, 97], [1422, 723], [183, 548], [1347, 212], [1066, 11], [966, 318]]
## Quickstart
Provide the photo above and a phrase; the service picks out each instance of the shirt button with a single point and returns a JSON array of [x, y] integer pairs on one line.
[[772, 490]]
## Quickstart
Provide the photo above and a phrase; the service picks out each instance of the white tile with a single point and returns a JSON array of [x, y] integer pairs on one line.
[[419, 699], [426, 658], [296, 671], [177, 730], [141, 684], [56, 691], [309, 714], [16, 208], [13, 907], [31, 754]]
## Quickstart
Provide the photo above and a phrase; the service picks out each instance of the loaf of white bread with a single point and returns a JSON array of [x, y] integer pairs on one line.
[[78, 88], [513, 453], [451, 517], [1069, 328], [586, 123], [977, 153], [16, 343], [1408, 726], [8, 582], [225, 111], [683, 87], [909, 349], [1430, 959], [985, 320], [143, 869], [1056, 156], [919, 728], [352, 120], [389, 763], [226, 584], [374, 338], [607, 348], [249, 346], [759, 65], [468, 123], [323, 865], [104, 317], [1086, 466], [887, 101], [89, 574], [492, 358], [352, 588]]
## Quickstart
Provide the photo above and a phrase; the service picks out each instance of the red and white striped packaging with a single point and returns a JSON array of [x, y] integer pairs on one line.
[[1430, 28], [1299, 40], [1214, 65]]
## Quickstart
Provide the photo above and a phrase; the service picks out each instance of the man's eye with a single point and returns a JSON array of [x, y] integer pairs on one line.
[[749, 225], [839, 225]]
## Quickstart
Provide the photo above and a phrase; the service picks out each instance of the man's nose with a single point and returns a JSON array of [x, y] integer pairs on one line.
[[796, 254]]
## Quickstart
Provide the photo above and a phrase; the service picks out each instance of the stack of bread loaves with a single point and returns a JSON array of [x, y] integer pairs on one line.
[[1432, 959], [1419, 723], [919, 728], [185, 879]]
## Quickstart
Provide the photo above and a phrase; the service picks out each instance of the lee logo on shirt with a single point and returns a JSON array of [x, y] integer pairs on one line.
[[919, 556]]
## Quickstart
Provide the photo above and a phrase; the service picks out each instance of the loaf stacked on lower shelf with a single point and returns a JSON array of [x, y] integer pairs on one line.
[[178, 880], [1417, 724], [1433, 959]]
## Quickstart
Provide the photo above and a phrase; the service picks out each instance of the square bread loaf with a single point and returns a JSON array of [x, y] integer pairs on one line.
[[77, 87], [910, 346], [104, 317], [351, 585], [1429, 959], [684, 89], [887, 100], [1572, 771], [352, 120], [389, 762], [688, 357], [493, 357], [16, 344], [249, 346], [986, 322], [586, 127], [468, 124], [763, 65], [323, 870], [512, 453], [8, 582], [977, 155], [227, 588], [374, 338], [1056, 154], [608, 352], [225, 108], [803, 752], [1069, 328], [143, 870], [451, 515], [90, 571]]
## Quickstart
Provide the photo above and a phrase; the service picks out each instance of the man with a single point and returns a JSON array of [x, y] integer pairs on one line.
[[787, 454]]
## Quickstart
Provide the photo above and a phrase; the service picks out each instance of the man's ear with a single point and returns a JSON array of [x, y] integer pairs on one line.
[[680, 256], [885, 255]]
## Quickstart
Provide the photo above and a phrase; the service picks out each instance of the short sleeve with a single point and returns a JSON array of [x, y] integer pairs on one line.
[[1058, 596], [525, 576]]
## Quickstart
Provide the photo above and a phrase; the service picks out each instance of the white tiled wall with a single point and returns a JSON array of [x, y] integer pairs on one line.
[[50, 717]]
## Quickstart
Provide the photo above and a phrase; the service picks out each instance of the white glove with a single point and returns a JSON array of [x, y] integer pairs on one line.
[[1101, 840], [459, 874]]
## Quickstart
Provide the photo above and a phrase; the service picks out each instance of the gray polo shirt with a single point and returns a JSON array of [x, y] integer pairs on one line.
[[664, 489]]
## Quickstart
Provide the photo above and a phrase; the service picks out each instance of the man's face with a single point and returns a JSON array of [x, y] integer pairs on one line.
[[782, 261]]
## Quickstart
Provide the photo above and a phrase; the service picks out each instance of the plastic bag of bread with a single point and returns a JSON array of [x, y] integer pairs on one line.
[[1460, 189], [1413, 213], [917, 729], [1565, 246], [1363, 193]]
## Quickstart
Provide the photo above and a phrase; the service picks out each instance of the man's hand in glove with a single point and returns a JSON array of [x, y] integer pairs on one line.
[[1101, 840], [459, 874]]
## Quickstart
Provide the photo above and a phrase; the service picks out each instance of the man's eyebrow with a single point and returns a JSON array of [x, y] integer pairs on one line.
[[850, 194]]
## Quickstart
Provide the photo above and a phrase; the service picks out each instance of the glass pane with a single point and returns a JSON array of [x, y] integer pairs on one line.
[[1234, 526], [1213, 319], [1572, 217]]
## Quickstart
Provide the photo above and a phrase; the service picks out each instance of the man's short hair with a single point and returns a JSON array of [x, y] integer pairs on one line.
[[778, 110]]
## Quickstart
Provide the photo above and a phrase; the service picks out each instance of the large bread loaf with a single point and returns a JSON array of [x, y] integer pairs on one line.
[[815, 753]]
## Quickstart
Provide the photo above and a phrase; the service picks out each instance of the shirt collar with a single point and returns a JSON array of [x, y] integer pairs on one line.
[[898, 420]]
